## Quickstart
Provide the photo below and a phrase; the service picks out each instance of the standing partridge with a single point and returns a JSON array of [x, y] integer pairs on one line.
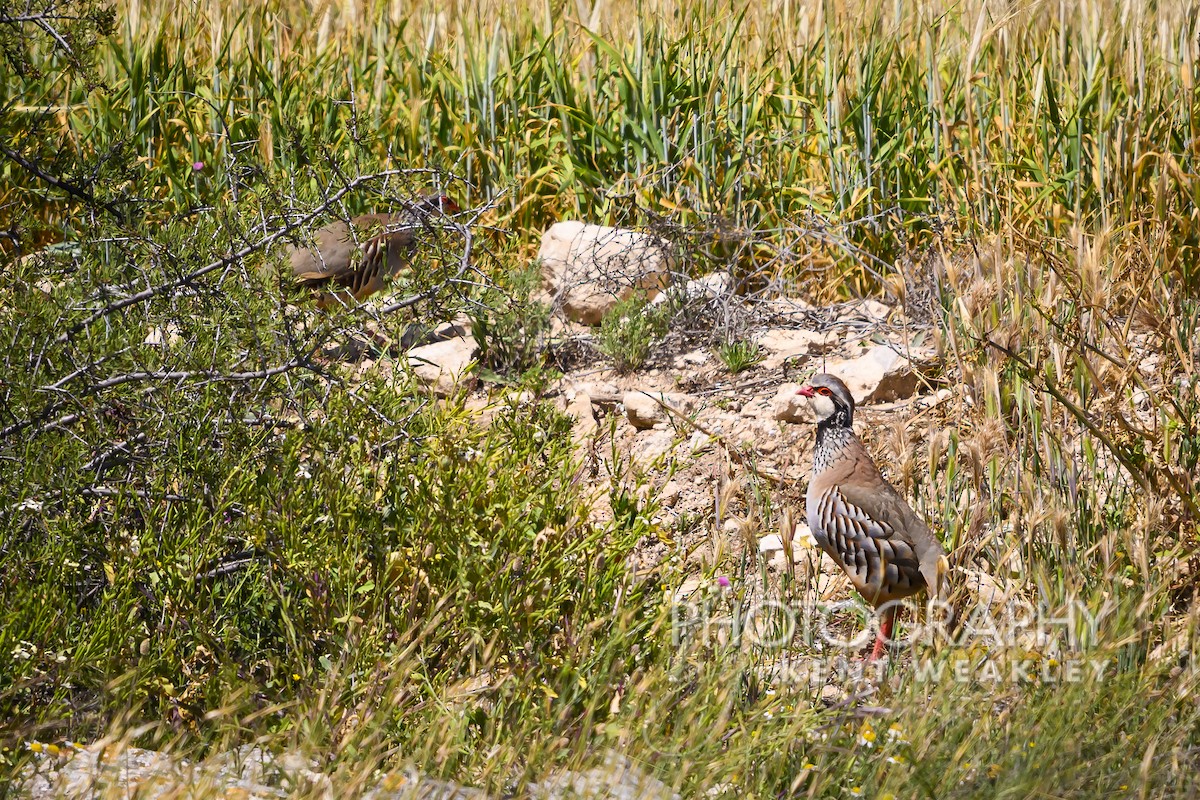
[[859, 519], [360, 256]]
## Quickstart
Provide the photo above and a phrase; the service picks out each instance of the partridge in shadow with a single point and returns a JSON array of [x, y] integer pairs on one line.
[[355, 259]]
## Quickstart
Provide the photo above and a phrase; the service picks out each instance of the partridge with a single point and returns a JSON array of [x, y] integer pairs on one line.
[[360, 256], [856, 516]]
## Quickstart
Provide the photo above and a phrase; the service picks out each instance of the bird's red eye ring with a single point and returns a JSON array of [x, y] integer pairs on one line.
[[825, 390]]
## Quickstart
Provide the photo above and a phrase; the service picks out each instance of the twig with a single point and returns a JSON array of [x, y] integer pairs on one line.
[[230, 564], [213, 376], [60, 183], [17, 427], [105, 491], [120, 447]]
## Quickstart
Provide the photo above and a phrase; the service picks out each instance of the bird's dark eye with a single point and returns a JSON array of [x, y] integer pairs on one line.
[[825, 391]]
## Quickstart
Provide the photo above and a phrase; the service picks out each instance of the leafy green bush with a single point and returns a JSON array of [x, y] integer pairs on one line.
[[629, 329], [284, 546]]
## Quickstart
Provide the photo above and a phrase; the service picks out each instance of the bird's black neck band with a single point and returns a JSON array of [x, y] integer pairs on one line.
[[838, 421]]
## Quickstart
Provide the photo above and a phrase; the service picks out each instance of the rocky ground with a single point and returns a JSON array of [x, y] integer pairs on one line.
[[116, 769]]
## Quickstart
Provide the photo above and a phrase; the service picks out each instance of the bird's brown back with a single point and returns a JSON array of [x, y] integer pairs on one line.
[[358, 256]]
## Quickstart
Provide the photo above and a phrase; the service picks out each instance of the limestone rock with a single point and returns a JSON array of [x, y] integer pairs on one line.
[[652, 445], [411, 785], [791, 309], [880, 375], [770, 544], [713, 286], [580, 408], [790, 406], [687, 589], [802, 536], [645, 409], [696, 358], [867, 309], [669, 495], [588, 268], [617, 778], [86, 773], [163, 336], [784, 343], [444, 365]]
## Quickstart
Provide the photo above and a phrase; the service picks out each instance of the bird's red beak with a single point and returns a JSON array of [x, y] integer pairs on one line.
[[805, 391], [448, 205]]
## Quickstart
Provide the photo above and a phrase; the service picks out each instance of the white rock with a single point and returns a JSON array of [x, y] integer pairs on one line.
[[618, 778], [880, 375], [770, 543], [645, 409], [1150, 363], [130, 768], [713, 286], [580, 408], [159, 336], [408, 785], [652, 445], [872, 310], [761, 407], [695, 358], [985, 590], [831, 694], [686, 589], [937, 398], [802, 536], [521, 399], [790, 406], [783, 343], [588, 268], [444, 365], [791, 308], [602, 394]]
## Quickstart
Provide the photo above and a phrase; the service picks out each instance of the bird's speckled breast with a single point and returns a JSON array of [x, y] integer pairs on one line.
[[830, 448]]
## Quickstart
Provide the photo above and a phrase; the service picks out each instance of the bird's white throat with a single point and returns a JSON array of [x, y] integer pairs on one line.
[[822, 406]]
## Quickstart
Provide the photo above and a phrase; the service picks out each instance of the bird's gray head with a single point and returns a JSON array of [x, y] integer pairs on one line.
[[830, 400]]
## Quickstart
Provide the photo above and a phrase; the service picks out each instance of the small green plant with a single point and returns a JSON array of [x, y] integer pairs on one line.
[[511, 328], [629, 329], [738, 355]]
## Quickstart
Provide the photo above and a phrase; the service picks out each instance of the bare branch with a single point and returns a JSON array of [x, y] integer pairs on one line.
[[213, 376], [70, 188]]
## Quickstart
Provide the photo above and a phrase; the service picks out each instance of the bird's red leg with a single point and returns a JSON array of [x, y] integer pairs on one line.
[[884, 637]]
